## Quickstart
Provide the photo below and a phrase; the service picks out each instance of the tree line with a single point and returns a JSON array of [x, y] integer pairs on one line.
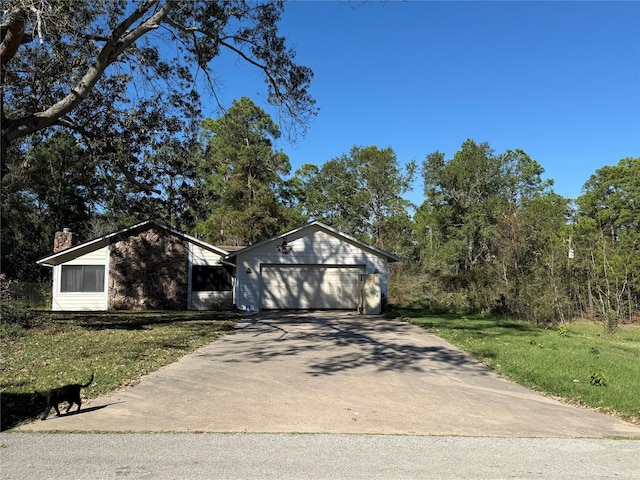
[[101, 127], [491, 236]]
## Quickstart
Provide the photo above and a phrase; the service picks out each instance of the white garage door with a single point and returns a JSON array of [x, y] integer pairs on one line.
[[310, 287]]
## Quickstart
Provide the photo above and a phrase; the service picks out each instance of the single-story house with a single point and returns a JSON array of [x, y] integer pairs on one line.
[[311, 267], [147, 266], [151, 266]]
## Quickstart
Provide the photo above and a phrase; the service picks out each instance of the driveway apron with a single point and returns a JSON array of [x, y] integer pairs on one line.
[[333, 372]]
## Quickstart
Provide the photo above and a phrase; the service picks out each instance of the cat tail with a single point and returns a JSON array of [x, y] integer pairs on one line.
[[88, 383]]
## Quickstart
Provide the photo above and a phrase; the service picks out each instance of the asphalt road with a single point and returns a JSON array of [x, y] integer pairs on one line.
[[322, 456]]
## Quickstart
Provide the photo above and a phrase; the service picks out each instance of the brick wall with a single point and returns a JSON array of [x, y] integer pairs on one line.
[[149, 271]]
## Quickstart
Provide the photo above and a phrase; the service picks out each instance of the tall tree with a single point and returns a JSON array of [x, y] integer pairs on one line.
[[122, 70], [181, 199], [332, 193], [473, 223], [361, 194], [528, 260], [384, 182], [607, 240], [245, 174], [53, 187], [464, 197]]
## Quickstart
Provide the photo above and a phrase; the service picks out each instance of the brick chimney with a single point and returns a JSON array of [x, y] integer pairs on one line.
[[63, 240]]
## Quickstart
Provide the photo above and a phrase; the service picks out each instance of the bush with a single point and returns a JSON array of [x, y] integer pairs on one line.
[[14, 316], [427, 292], [13, 313]]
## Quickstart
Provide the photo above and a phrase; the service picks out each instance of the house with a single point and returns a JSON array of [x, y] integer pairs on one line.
[[146, 266], [151, 266], [311, 267]]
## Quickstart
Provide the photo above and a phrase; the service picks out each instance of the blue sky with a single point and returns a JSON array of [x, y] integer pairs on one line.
[[559, 80]]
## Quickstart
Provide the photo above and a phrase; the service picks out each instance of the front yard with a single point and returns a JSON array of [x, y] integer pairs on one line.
[[117, 347]]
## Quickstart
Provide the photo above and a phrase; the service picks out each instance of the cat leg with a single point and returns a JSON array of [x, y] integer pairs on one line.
[[77, 401], [55, 405], [46, 413]]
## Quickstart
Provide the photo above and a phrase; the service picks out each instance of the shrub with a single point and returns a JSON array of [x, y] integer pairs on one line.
[[13, 313], [14, 316], [596, 377]]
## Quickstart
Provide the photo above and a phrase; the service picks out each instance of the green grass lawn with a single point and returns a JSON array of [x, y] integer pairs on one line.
[[118, 348], [578, 362]]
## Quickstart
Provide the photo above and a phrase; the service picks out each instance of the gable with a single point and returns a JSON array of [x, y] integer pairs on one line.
[[314, 266], [204, 249], [85, 250], [312, 242], [309, 246]]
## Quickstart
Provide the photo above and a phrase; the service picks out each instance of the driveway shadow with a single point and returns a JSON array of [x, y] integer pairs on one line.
[[335, 342]]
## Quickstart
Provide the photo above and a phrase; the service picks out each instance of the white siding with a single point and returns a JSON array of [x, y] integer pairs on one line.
[[74, 301], [206, 300], [309, 246], [203, 256], [96, 257], [211, 300]]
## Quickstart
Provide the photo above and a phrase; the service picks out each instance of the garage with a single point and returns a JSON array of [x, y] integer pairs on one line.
[[311, 267], [310, 287]]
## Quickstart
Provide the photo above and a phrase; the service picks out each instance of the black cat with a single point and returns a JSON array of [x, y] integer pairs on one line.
[[67, 393]]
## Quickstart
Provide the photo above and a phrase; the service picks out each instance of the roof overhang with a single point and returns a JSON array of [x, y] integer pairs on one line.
[[331, 231], [84, 248]]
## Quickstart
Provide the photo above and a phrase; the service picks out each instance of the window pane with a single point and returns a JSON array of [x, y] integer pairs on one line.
[[93, 278], [71, 278], [210, 279], [82, 278]]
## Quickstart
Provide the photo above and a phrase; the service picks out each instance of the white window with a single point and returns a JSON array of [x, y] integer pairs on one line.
[[82, 278]]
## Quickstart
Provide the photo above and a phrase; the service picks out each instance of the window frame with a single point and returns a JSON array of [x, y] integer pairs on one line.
[[88, 278], [213, 284]]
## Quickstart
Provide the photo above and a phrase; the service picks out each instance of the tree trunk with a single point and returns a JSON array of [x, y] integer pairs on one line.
[[590, 295], [629, 302]]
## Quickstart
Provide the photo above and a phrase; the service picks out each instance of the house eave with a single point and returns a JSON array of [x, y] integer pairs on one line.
[[70, 253], [382, 253]]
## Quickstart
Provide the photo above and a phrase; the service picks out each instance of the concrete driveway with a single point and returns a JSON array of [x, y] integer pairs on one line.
[[333, 372]]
